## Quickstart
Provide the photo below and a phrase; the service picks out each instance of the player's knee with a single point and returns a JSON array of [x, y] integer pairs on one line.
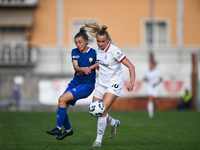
[[105, 112], [61, 100]]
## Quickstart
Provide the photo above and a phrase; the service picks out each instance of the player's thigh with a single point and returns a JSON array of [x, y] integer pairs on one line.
[[149, 90], [150, 97], [99, 92], [98, 96], [155, 92], [66, 97], [108, 100], [82, 91], [96, 99], [111, 94]]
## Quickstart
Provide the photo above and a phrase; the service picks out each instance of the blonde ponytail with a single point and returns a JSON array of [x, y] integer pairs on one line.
[[95, 28]]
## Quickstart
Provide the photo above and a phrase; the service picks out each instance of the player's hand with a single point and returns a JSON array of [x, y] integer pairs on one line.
[[130, 86], [97, 67], [80, 73], [155, 84], [86, 70]]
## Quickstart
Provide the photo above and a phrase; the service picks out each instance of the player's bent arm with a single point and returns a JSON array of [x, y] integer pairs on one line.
[[160, 80], [86, 70], [75, 65], [93, 66], [145, 79], [131, 68]]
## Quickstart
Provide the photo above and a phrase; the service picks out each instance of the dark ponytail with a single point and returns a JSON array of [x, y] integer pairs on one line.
[[82, 32]]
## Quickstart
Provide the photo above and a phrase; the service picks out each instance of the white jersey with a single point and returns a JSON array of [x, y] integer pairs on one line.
[[152, 76], [109, 61]]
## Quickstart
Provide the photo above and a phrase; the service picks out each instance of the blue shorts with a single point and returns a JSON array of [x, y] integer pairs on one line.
[[79, 92]]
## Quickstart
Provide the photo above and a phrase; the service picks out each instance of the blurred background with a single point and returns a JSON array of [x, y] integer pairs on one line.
[[37, 36]]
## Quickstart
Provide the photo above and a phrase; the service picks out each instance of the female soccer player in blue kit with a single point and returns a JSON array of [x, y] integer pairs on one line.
[[82, 85]]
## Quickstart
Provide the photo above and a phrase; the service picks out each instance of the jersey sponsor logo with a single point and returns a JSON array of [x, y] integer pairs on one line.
[[90, 59], [102, 63], [119, 54], [77, 56], [74, 89]]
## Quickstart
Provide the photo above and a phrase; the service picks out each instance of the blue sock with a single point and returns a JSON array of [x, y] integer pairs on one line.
[[61, 116], [66, 123]]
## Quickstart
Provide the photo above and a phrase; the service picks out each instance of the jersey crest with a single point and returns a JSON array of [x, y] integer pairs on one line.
[[90, 59]]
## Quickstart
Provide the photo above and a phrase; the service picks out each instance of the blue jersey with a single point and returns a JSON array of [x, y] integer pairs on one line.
[[86, 59]]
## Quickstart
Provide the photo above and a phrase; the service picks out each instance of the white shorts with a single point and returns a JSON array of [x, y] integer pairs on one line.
[[153, 91], [100, 90]]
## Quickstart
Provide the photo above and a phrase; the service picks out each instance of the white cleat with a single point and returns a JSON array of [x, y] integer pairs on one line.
[[114, 128], [96, 144]]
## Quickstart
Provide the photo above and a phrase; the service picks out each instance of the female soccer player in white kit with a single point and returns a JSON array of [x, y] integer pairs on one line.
[[110, 78], [153, 78]]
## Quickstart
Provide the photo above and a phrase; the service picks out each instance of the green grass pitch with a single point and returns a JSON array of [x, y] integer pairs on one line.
[[166, 131]]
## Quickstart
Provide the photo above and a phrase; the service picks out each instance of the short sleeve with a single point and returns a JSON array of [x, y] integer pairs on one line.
[[158, 73], [146, 74], [117, 54], [74, 55]]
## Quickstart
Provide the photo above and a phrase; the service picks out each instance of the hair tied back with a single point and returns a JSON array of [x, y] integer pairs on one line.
[[82, 29], [104, 27]]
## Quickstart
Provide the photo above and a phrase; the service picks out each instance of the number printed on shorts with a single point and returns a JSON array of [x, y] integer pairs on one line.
[[115, 85]]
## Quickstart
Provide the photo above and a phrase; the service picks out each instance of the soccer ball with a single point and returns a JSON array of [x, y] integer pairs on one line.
[[96, 108]]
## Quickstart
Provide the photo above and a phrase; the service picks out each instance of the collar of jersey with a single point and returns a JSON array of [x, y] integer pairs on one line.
[[106, 49], [88, 50], [108, 46]]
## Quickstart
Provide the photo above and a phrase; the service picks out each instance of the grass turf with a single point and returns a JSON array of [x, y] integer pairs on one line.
[[166, 131]]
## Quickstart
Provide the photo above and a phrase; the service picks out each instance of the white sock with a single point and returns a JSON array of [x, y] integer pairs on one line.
[[101, 126], [68, 130], [110, 120], [150, 108]]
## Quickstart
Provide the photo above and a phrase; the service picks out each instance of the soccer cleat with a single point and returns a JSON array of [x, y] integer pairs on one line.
[[64, 134], [55, 131], [114, 128], [96, 144]]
